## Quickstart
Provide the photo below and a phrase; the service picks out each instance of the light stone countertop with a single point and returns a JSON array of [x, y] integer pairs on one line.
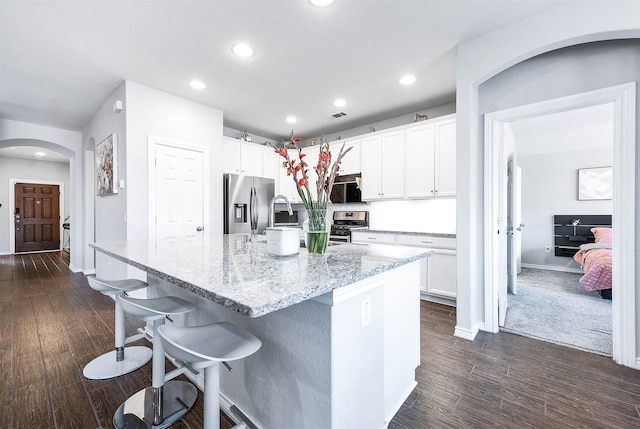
[[240, 275]]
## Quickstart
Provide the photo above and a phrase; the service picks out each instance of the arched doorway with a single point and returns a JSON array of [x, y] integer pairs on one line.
[[64, 148]]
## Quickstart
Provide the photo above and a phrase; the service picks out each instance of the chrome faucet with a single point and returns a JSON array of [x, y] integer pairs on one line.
[[272, 211]]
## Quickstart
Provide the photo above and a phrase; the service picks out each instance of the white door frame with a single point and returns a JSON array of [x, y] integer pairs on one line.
[[12, 209], [622, 97], [154, 141]]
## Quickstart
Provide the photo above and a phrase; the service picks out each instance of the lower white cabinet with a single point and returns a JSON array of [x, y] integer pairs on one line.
[[372, 237], [441, 274], [438, 271]]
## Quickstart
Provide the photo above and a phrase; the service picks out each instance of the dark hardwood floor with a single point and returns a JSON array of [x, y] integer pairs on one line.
[[52, 324]]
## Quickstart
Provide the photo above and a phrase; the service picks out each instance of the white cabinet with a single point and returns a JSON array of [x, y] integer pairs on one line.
[[311, 158], [419, 161], [382, 162], [430, 159], [372, 237], [285, 184], [439, 270], [445, 160], [351, 162], [441, 274], [271, 163], [239, 157]]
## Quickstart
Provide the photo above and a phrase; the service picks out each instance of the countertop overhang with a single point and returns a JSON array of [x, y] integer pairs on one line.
[[239, 274]]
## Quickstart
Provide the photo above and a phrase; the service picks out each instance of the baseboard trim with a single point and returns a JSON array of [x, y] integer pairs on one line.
[[89, 272], [74, 269], [437, 299], [467, 334], [554, 268]]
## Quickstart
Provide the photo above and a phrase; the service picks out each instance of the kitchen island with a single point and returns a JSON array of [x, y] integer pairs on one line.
[[340, 331]]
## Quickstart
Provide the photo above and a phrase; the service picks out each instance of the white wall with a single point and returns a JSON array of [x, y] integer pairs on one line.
[[154, 113], [549, 187], [24, 169], [483, 57], [65, 142], [148, 112], [431, 112], [109, 211]]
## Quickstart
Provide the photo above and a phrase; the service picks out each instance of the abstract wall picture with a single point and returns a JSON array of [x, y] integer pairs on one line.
[[595, 183], [107, 165]]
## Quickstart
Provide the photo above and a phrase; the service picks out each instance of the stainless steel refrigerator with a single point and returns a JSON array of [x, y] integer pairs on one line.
[[246, 203]]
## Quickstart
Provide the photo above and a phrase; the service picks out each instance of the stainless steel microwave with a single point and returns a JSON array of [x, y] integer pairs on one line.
[[346, 189]]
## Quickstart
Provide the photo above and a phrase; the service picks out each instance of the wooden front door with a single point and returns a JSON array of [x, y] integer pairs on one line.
[[37, 217]]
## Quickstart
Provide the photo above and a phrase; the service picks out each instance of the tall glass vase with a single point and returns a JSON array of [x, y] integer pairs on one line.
[[317, 231]]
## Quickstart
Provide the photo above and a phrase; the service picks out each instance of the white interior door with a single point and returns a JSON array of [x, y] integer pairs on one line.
[[519, 223], [179, 179], [512, 225], [503, 233]]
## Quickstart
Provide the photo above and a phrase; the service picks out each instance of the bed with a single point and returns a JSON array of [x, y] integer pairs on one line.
[[595, 259]]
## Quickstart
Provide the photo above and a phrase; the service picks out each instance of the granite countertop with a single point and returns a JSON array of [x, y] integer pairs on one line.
[[387, 231], [239, 274]]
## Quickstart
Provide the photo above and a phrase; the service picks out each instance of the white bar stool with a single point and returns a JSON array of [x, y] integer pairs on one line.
[[165, 402], [205, 347], [122, 360]]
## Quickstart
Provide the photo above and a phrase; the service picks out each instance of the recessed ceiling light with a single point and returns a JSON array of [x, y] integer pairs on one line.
[[242, 50], [197, 84], [407, 80], [291, 119], [340, 102], [40, 154], [321, 3]]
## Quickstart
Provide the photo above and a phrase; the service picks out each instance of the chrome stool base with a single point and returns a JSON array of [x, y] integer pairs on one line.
[[137, 412], [106, 366]]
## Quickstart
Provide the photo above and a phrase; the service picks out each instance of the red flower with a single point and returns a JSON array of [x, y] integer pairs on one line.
[[297, 168], [301, 182], [302, 155], [296, 140]]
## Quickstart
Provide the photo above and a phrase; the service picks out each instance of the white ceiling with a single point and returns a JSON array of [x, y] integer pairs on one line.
[[28, 152], [60, 60]]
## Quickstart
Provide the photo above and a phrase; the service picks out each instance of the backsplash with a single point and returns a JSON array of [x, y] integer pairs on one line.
[[436, 216]]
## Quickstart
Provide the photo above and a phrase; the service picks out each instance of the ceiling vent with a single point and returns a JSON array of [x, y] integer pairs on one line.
[[339, 115]]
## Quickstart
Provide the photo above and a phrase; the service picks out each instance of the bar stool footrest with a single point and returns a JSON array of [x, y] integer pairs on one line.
[[178, 398], [105, 366]]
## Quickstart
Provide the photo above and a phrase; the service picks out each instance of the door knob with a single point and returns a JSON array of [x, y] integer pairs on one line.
[[199, 228]]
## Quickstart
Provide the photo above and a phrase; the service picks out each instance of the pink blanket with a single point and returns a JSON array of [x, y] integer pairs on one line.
[[596, 263]]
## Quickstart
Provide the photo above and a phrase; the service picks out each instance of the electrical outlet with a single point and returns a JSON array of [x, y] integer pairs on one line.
[[548, 249], [365, 312]]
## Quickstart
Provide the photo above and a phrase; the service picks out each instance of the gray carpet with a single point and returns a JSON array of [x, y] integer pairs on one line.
[[558, 310]]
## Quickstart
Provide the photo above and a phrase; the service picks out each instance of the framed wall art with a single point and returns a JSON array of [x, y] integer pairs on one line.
[[107, 165], [595, 183]]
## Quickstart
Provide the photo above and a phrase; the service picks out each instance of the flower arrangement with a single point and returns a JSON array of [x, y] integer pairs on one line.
[[327, 172]]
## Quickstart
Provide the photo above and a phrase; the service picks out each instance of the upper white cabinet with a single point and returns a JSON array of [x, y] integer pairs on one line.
[[445, 159], [241, 157], [382, 165], [351, 162], [271, 163], [412, 161], [420, 161], [285, 184], [430, 159]]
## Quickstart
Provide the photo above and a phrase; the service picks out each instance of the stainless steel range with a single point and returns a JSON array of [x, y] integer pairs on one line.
[[344, 221]]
